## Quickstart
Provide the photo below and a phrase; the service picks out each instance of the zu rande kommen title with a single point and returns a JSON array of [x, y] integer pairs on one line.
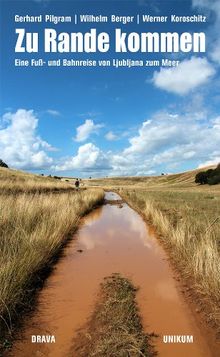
[[92, 41]]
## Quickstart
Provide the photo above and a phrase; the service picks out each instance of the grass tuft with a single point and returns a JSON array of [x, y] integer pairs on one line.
[[115, 327]]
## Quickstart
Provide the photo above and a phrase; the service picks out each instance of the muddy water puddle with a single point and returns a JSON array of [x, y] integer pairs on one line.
[[113, 238]]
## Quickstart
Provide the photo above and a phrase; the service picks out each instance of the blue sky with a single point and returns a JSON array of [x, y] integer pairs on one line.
[[108, 121]]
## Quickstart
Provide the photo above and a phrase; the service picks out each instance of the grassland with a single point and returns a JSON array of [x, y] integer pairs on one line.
[[182, 181], [37, 215], [114, 328], [187, 219], [13, 181]]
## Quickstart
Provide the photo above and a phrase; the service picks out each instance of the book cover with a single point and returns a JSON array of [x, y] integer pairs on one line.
[[109, 178]]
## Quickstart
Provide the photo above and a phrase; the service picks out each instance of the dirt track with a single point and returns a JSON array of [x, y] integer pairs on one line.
[[113, 238]]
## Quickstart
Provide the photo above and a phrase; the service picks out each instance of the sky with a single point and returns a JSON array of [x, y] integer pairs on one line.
[[110, 121]]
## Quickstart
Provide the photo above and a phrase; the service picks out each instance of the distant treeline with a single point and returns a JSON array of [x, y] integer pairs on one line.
[[55, 177], [210, 176]]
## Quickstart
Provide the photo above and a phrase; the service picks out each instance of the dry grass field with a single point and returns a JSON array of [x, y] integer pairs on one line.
[[13, 181], [182, 181], [37, 215], [187, 219]]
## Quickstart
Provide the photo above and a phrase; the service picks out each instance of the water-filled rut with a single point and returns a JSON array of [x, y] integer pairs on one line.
[[112, 238]]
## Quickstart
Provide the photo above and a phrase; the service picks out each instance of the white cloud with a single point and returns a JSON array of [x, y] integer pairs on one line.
[[184, 78], [53, 112], [110, 136], [213, 31], [43, 1], [167, 141], [214, 161], [215, 54], [210, 5], [164, 143], [84, 131], [89, 158], [20, 146]]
